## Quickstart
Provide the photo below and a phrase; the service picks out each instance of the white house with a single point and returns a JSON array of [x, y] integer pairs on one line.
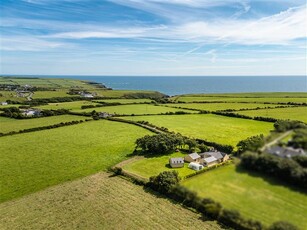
[[176, 162], [3, 103]]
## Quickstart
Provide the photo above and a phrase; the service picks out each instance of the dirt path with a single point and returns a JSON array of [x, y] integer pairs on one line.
[[276, 140]]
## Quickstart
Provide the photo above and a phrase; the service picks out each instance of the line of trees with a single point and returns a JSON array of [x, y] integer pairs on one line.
[[282, 168], [62, 124], [167, 183]]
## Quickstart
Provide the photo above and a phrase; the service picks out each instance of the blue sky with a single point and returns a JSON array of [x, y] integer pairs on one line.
[[153, 37]]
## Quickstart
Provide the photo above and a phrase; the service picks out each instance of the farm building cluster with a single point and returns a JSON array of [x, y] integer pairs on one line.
[[285, 152], [198, 161]]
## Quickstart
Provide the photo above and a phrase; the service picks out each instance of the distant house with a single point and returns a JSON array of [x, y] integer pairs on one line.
[[104, 115], [210, 161], [285, 152], [177, 162], [195, 166], [3, 103], [87, 95], [193, 157], [31, 112], [220, 156]]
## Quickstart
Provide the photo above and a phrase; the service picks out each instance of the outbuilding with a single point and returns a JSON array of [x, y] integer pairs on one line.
[[176, 162], [193, 157], [196, 166]]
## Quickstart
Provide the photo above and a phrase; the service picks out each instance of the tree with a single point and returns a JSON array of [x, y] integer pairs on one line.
[[165, 181], [252, 144], [191, 143]]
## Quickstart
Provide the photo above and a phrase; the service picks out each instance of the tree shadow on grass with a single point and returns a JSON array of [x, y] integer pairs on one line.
[[270, 179]]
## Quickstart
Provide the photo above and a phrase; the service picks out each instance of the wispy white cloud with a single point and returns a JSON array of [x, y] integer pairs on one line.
[[277, 29], [25, 43]]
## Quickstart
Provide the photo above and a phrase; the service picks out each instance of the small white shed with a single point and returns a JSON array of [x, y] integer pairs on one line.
[[196, 166]]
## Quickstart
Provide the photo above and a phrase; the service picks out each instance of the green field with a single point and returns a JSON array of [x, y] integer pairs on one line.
[[33, 161], [52, 83], [9, 95], [152, 166], [67, 105], [295, 113], [100, 201], [220, 106], [134, 109], [220, 129], [255, 197], [125, 101], [242, 99], [51, 94], [254, 94], [9, 124]]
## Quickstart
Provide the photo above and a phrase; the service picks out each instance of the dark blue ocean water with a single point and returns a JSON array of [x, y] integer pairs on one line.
[[189, 84]]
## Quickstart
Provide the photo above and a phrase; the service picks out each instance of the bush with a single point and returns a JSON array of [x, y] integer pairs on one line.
[[165, 181], [250, 144], [282, 225]]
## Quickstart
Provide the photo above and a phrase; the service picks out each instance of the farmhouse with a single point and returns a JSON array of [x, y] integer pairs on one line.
[[177, 162], [3, 103], [219, 156], [210, 161], [287, 152], [195, 166], [193, 157]]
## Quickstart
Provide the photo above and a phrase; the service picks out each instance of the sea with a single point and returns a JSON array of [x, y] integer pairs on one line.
[[190, 84]]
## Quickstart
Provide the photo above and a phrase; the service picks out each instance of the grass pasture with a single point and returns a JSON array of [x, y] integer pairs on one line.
[[125, 101], [8, 124], [152, 166], [220, 129], [189, 99], [99, 201], [32, 161], [134, 109], [220, 106], [54, 83], [255, 197], [295, 113], [74, 105]]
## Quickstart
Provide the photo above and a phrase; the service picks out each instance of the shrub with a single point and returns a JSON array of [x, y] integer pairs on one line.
[[282, 225], [165, 181]]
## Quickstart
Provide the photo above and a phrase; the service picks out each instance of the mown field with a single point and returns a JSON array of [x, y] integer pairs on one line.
[[220, 106], [254, 195], [8, 124], [67, 105], [32, 161], [295, 113], [99, 201], [152, 166], [134, 109], [220, 129]]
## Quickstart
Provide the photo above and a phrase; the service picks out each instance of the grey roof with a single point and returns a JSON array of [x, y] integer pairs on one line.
[[210, 159], [176, 160], [216, 154], [194, 156], [285, 152]]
